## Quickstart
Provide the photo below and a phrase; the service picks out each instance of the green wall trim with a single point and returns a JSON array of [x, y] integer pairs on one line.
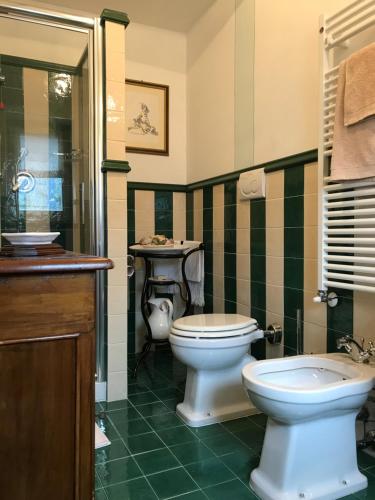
[[115, 166], [114, 16], [292, 161], [153, 186], [35, 64], [280, 164]]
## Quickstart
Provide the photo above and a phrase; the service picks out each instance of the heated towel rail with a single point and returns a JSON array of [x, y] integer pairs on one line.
[[346, 236]]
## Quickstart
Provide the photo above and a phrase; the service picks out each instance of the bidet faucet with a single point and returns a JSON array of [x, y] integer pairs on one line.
[[354, 349]]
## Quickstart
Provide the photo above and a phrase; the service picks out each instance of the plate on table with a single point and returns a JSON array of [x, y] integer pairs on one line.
[[30, 238]]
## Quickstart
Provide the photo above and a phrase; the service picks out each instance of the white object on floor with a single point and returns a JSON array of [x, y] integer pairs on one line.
[[215, 349], [309, 449], [101, 439], [30, 238]]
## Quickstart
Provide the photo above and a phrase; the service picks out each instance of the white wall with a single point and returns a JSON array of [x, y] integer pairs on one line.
[[210, 73], [285, 86], [159, 56], [287, 75]]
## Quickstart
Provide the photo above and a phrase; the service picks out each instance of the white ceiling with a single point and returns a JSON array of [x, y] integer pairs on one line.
[[176, 15]]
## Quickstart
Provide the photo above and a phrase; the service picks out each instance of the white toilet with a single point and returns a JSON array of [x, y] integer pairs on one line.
[[309, 450], [215, 349]]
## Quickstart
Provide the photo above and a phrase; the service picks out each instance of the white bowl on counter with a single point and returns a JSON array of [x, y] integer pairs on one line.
[[43, 238]]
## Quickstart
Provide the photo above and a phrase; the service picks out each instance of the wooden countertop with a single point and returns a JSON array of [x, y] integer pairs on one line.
[[67, 262]]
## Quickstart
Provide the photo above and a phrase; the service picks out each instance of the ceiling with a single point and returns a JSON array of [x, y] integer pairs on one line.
[[176, 15]]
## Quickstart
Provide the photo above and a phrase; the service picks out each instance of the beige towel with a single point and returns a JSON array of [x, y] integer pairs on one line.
[[359, 100], [353, 154]]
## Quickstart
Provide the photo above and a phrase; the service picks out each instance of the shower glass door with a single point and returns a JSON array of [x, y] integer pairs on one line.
[[45, 174]]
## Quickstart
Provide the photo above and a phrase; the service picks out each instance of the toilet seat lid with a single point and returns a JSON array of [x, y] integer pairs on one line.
[[214, 325]]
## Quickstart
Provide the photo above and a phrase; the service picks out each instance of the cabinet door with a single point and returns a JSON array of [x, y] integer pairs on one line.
[[40, 417]]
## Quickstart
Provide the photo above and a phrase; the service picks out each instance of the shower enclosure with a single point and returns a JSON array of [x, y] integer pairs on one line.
[[44, 132], [50, 132]]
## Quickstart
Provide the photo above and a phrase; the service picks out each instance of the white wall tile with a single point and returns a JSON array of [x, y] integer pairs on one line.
[[117, 299], [117, 216], [118, 330], [117, 386], [114, 37], [116, 186]]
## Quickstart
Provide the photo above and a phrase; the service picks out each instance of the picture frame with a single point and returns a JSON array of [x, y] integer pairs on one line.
[[147, 118]]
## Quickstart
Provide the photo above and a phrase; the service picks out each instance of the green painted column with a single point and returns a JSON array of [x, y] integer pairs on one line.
[[258, 270], [293, 256]]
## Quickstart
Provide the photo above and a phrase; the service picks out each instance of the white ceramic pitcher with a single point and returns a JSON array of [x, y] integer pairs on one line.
[[161, 318]]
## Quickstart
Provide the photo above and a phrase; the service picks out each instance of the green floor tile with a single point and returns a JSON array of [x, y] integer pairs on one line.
[[169, 393], [252, 436], [115, 450], [100, 495], [209, 431], [156, 461], [194, 495], [238, 425], [365, 460], [123, 415], [172, 483], [136, 388], [133, 427], [259, 419], [116, 405], [143, 443], [209, 472], [153, 409], [369, 492], [232, 489], [117, 471], [98, 483], [210, 453], [171, 404], [142, 398], [160, 422], [241, 463], [176, 435], [188, 453], [223, 444], [137, 489]]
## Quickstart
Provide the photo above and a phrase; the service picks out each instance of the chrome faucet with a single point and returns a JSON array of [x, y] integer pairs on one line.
[[356, 351]]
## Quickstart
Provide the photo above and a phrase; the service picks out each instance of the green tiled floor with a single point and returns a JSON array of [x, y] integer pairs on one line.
[[154, 455]]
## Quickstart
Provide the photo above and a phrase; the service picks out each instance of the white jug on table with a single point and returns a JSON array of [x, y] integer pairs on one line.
[[161, 318]]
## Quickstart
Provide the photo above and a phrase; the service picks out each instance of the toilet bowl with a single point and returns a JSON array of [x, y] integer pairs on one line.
[[214, 347], [309, 449]]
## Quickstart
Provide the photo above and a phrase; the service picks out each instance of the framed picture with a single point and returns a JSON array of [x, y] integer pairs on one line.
[[147, 116]]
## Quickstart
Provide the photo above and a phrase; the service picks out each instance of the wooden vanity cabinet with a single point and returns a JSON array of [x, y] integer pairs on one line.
[[47, 375]]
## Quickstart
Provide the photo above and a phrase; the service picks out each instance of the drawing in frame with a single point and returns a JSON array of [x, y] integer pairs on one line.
[[147, 118]]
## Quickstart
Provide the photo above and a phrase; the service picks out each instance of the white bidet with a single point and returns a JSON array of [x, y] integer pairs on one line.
[[309, 449]]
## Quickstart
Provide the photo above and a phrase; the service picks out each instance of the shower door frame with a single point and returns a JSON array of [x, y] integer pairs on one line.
[[94, 30]]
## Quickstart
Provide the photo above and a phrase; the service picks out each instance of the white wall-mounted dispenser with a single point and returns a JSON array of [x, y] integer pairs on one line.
[[252, 184]]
